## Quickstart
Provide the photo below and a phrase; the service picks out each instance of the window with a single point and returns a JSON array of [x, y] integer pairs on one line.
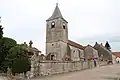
[[53, 24], [79, 53], [74, 51], [52, 57], [63, 25]]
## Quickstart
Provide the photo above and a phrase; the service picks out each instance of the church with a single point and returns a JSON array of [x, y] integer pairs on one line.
[[58, 45], [62, 54]]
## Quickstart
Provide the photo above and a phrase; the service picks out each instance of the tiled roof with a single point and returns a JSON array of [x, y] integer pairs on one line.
[[88, 45], [99, 46], [75, 44], [117, 54]]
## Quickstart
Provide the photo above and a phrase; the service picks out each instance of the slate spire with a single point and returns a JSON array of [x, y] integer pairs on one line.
[[56, 14]]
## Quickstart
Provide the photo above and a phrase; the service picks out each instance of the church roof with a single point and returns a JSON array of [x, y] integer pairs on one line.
[[75, 44], [117, 54], [88, 46], [56, 14], [102, 49]]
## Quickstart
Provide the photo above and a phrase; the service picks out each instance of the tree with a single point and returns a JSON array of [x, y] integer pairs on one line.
[[5, 45], [1, 31], [107, 46], [18, 59]]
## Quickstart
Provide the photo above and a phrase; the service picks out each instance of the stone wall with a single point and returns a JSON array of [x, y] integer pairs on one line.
[[89, 51], [76, 53], [56, 67]]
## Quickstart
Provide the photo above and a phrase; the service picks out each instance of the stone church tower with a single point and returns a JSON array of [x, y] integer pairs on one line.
[[56, 35]]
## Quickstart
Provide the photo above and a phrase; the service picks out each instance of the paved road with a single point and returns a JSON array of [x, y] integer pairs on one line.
[[2, 78], [110, 72]]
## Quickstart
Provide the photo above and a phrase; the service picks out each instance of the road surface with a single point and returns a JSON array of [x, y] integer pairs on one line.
[[2, 78], [109, 72]]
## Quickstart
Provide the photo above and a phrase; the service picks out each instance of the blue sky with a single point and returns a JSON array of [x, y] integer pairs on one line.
[[88, 20]]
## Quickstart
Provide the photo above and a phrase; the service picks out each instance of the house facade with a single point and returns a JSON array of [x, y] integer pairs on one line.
[[116, 57]]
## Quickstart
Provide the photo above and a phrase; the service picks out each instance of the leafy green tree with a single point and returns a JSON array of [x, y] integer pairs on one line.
[[4, 66], [5, 45], [18, 59], [1, 31], [107, 45]]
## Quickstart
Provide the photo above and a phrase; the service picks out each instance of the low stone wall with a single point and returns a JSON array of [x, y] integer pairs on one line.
[[45, 68], [103, 63]]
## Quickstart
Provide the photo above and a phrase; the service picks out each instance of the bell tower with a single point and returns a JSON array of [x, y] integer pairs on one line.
[[56, 34]]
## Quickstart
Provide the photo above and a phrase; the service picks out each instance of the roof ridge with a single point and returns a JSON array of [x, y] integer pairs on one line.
[[72, 43]]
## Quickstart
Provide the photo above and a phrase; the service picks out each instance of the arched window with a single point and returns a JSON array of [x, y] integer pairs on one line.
[[52, 57], [79, 54], [69, 52], [53, 24], [63, 25]]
